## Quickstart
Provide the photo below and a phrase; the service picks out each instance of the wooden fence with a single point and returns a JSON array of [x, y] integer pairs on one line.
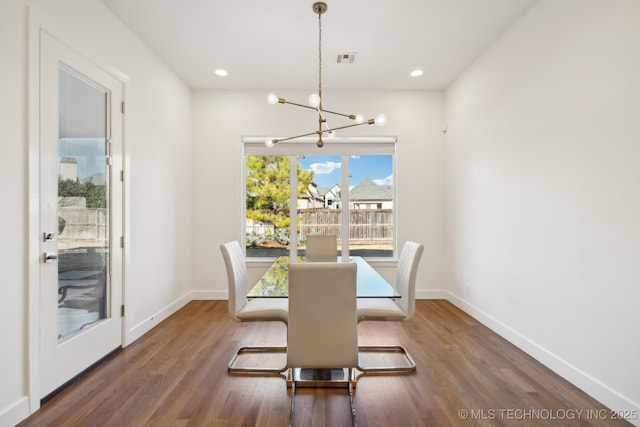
[[84, 223], [366, 225]]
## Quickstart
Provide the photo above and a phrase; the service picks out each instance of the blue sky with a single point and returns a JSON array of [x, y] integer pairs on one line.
[[88, 152], [328, 169]]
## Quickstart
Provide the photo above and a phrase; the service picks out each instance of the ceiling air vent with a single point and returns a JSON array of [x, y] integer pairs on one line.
[[346, 58]]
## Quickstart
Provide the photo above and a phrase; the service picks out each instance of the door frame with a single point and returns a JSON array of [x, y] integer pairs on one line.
[[37, 24]]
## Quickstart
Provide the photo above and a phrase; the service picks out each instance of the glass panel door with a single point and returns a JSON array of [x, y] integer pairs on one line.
[[83, 205], [80, 214]]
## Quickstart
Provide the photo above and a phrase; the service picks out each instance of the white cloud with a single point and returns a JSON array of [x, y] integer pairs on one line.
[[325, 168], [355, 156], [384, 181]]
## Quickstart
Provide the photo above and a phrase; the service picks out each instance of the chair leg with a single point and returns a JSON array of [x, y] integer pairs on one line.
[[293, 397], [353, 408], [252, 370], [410, 366], [351, 384]]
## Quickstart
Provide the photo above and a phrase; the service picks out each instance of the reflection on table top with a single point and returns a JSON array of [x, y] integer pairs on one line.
[[275, 281]]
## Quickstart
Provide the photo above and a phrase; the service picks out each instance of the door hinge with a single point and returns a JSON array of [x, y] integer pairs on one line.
[[122, 107], [122, 310], [121, 176], [109, 160], [122, 242]]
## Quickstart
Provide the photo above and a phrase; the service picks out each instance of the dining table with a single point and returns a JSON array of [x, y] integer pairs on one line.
[[274, 283]]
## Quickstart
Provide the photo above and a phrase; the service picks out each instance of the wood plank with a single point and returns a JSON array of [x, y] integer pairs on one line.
[[175, 375]]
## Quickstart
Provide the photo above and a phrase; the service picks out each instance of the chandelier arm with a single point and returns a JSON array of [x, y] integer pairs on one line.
[[368, 122], [320, 132], [275, 141], [350, 116], [299, 105]]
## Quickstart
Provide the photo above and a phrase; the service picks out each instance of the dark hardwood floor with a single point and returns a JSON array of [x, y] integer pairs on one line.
[[175, 375]]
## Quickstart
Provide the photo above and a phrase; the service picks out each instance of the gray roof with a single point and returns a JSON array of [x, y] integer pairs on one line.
[[324, 190], [369, 190]]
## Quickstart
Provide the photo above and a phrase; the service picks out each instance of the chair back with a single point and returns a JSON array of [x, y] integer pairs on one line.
[[406, 277], [236, 276], [322, 330], [321, 248]]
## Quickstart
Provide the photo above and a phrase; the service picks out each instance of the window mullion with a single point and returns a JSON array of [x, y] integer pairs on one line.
[[344, 214], [293, 208]]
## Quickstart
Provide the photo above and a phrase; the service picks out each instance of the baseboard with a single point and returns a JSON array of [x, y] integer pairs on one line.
[[14, 413], [590, 385], [152, 321], [209, 295], [432, 294], [136, 331]]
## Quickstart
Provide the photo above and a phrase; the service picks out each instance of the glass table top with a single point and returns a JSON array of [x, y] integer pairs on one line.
[[275, 281]]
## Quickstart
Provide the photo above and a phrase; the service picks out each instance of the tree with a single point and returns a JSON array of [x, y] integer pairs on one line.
[[268, 189], [95, 195]]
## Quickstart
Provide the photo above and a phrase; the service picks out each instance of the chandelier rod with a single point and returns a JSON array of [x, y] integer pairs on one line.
[[315, 100], [320, 8]]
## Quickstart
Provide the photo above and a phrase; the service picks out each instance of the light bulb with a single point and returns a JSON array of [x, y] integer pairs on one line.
[[331, 134], [381, 120], [314, 100], [269, 143], [359, 118], [272, 99]]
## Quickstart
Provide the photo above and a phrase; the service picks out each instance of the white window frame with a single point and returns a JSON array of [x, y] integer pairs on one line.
[[346, 146]]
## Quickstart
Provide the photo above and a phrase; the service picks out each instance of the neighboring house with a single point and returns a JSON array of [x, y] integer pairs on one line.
[[331, 196], [366, 195], [311, 199], [369, 195]]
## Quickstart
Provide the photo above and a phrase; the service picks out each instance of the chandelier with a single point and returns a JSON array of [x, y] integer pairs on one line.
[[315, 100]]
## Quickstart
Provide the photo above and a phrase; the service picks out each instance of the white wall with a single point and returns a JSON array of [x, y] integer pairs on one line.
[[158, 154], [541, 184], [221, 118], [14, 214], [543, 199]]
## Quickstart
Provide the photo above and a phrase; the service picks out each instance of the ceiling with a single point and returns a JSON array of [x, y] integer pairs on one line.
[[274, 45]]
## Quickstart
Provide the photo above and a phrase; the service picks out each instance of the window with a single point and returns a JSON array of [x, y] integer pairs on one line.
[[345, 189]]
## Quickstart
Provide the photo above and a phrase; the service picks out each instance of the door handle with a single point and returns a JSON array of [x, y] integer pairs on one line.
[[49, 257]]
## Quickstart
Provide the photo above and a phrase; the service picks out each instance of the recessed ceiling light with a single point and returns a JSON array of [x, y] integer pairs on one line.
[[221, 73], [416, 73]]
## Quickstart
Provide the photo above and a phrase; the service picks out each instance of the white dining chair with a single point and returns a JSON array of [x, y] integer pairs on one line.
[[242, 309], [323, 327], [321, 248], [400, 309]]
